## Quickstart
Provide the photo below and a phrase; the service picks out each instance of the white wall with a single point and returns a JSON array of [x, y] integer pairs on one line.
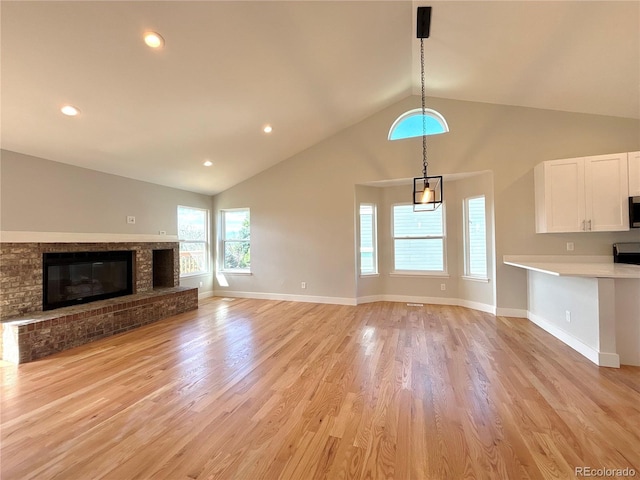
[[302, 209], [369, 286], [604, 315], [627, 297], [303, 215], [425, 288], [471, 290], [38, 195], [550, 297]]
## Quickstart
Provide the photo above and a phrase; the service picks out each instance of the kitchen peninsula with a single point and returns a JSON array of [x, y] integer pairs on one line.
[[588, 302]]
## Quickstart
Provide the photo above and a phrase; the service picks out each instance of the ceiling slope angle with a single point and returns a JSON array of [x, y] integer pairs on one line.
[[225, 70]]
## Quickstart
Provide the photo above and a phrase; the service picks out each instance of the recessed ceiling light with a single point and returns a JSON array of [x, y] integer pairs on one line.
[[70, 110], [267, 129], [207, 163], [153, 39]]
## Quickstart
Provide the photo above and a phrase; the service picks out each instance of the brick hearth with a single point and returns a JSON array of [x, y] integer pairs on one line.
[[29, 333]]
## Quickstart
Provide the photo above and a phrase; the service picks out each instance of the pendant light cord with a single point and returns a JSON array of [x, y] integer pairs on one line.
[[424, 114]]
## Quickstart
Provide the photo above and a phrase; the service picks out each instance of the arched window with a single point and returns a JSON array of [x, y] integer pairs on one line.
[[409, 124]]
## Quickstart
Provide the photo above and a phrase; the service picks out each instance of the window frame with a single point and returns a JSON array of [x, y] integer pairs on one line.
[[467, 241], [207, 241], [428, 273], [222, 241], [374, 239]]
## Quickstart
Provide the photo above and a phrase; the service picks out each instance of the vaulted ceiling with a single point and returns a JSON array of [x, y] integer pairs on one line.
[[307, 68]]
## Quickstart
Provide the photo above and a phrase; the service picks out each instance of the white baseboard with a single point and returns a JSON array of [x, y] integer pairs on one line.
[[285, 297], [355, 301], [407, 299], [207, 294], [483, 307], [609, 360], [601, 359], [370, 299], [512, 312]]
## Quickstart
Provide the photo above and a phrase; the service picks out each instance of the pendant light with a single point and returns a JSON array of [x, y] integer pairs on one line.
[[427, 191]]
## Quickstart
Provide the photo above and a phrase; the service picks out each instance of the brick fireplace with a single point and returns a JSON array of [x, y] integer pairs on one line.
[[21, 270], [29, 333]]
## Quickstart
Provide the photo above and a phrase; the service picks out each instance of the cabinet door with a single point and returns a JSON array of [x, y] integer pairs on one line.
[[564, 195], [634, 174], [606, 192]]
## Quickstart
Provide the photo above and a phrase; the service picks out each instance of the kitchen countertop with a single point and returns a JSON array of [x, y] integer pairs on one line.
[[574, 266]]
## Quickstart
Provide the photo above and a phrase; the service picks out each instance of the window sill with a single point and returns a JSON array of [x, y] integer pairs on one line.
[[199, 274], [419, 274], [368, 275], [476, 279], [234, 272]]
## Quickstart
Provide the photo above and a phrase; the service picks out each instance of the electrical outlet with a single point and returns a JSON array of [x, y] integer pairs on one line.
[[202, 284], [569, 246], [162, 232], [567, 316], [443, 286], [303, 285], [131, 219]]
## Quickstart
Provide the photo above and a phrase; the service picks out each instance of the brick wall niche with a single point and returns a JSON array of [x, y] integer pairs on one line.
[[29, 333]]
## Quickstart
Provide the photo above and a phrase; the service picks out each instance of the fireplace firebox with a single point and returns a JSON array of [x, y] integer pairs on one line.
[[71, 278]]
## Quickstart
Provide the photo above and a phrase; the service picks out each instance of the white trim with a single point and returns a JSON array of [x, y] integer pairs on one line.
[[412, 299], [512, 312], [602, 359], [483, 307], [475, 279], [286, 297], [370, 299], [196, 274], [207, 294], [608, 360], [72, 237], [419, 273]]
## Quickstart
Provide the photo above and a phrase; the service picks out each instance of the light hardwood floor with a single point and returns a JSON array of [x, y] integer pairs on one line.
[[254, 389]]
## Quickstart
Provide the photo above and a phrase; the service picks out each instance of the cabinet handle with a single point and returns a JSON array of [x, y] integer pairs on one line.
[[584, 227], [589, 225]]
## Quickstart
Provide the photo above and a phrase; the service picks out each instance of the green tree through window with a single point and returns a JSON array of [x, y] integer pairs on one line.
[[236, 239]]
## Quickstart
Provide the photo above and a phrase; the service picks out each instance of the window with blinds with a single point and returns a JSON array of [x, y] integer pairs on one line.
[[418, 240], [368, 240], [475, 237]]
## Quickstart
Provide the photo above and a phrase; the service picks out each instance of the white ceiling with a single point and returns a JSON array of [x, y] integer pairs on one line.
[[308, 68]]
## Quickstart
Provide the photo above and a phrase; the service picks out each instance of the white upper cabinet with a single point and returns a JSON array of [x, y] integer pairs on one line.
[[582, 194], [634, 174]]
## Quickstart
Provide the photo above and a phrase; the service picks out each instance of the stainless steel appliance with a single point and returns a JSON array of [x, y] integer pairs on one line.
[[628, 252], [634, 212]]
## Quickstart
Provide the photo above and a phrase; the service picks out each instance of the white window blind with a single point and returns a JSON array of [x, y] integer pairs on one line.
[[368, 239], [475, 237], [418, 239]]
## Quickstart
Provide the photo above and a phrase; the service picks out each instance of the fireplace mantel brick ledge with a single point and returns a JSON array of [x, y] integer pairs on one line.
[[30, 337], [28, 333]]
